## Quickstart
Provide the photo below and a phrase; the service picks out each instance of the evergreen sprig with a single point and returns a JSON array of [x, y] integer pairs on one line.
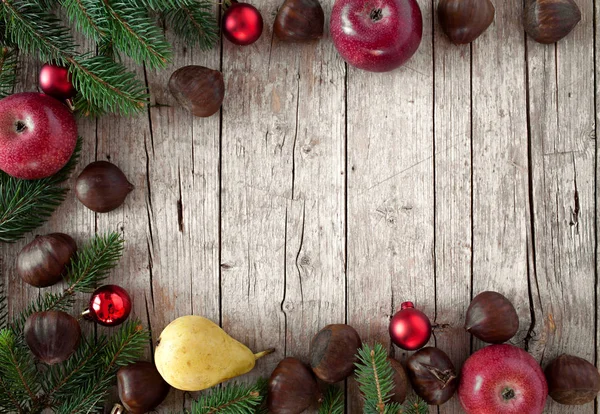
[[333, 401], [231, 399], [8, 69], [27, 204]]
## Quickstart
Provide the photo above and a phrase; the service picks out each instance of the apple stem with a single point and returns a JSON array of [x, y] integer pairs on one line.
[[376, 15], [508, 394], [20, 126]]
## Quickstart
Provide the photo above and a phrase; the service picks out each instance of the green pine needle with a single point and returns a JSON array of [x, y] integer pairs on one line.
[[27, 204], [414, 406], [196, 24], [333, 401], [8, 70], [231, 399], [375, 377], [136, 35], [88, 16]]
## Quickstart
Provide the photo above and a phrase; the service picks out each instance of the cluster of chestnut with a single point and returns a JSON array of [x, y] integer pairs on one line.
[[53, 336]]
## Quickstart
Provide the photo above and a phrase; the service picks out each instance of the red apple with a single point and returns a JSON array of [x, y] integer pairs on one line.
[[376, 35], [38, 135], [502, 379]]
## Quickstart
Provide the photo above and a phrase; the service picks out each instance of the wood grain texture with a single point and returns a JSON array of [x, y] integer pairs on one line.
[[561, 114], [453, 189]]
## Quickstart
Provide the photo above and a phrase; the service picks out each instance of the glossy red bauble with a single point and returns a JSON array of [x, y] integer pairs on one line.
[[376, 35], [110, 305], [242, 24], [56, 82], [410, 328]]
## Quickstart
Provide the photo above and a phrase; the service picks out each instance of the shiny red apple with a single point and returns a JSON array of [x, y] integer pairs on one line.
[[376, 35], [38, 135], [502, 379]]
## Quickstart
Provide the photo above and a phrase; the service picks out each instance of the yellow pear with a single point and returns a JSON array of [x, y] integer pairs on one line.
[[193, 353]]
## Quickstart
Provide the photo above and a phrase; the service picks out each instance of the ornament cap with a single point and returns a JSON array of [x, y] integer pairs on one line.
[[407, 305]]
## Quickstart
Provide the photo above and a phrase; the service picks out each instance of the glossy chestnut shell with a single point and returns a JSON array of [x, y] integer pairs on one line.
[[463, 21], [52, 336], [45, 260], [432, 375], [401, 382], [292, 388], [548, 21], [102, 187], [492, 318], [572, 380], [333, 352], [299, 21], [198, 89], [141, 388]]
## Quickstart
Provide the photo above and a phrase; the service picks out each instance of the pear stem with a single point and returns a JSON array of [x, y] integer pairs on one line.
[[264, 353]]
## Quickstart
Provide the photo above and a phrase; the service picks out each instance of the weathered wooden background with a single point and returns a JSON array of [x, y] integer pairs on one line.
[[325, 194]]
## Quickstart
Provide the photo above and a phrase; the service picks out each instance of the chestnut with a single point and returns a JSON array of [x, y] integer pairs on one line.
[[52, 336], [292, 388], [463, 21], [333, 352], [44, 261], [401, 382], [432, 375], [492, 318], [572, 380], [548, 21], [299, 21], [198, 89], [102, 187], [141, 388]]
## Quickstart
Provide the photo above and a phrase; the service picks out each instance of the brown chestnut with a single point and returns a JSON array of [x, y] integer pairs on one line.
[[141, 388], [52, 336], [492, 318], [463, 21], [432, 375], [299, 21], [401, 382], [102, 187], [44, 261], [572, 380], [292, 388], [198, 89], [548, 21], [333, 352]]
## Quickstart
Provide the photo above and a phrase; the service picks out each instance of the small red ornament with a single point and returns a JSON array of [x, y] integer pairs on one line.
[[242, 24], [109, 305], [410, 328], [56, 82]]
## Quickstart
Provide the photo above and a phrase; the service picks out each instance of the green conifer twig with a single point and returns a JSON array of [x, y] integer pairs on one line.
[[231, 399], [8, 70], [333, 401]]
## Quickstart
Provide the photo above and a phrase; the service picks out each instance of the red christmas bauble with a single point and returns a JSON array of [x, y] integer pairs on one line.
[[109, 305], [56, 82], [242, 24], [410, 328]]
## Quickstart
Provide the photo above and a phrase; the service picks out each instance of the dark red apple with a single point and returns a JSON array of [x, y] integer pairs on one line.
[[376, 35], [38, 135], [502, 379]]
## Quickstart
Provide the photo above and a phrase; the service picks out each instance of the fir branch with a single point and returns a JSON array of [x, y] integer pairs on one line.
[[195, 23], [415, 406], [18, 370], [88, 16], [374, 375], [230, 399], [27, 204], [333, 401], [8, 70], [136, 35], [123, 348]]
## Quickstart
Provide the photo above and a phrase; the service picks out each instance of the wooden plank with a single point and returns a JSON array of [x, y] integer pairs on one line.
[[452, 113], [500, 178], [282, 232], [390, 193], [561, 112], [182, 204]]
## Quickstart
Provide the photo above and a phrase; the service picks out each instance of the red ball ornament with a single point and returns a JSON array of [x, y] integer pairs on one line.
[[109, 305], [56, 82], [410, 328], [242, 24]]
